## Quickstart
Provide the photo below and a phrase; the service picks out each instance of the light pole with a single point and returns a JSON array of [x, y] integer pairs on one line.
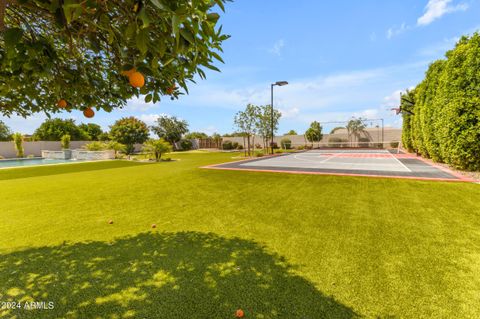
[[279, 83]]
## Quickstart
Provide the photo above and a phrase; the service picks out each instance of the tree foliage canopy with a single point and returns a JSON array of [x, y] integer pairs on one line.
[[77, 50], [54, 129], [94, 131], [170, 128], [129, 131], [314, 132], [5, 132]]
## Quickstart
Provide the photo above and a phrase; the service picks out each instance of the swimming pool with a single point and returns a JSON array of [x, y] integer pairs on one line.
[[19, 162]]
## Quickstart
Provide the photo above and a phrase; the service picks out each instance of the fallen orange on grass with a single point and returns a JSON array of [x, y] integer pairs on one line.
[[62, 103], [239, 313], [136, 79], [88, 113]]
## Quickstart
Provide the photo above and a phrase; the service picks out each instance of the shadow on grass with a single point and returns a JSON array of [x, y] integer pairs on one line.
[[25, 172], [161, 275]]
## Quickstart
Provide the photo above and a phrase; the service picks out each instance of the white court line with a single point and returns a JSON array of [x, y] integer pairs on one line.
[[316, 162], [400, 162]]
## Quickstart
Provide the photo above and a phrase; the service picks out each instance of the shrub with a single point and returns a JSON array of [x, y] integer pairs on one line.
[[227, 145], [234, 145], [1, 157], [65, 141], [186, 145], [286, 143], [18, 141], [258, 154], [394, 144], [30, 156], [278, 151], [336, 141], [444, 123], [157, 148], [274, 144], [258, 146], [240, 147], [363, 142], [300, 147], [95, 146]]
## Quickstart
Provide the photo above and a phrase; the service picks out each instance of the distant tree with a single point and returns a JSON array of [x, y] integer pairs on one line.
[[170, 128], [116, 147], [157, 148], [18, 142], [5, 132], [314, 132], [355, 127], [194, 135], [129, 131], [336, 129], [247, 122], [291, 132], [264, 123], [54, 129], [94, 131], [65, 141]]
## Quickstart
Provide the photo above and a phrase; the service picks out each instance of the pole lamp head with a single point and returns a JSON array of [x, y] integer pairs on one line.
[[281, 83]]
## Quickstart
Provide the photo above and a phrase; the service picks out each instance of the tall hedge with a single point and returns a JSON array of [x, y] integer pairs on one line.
[[445, 124]]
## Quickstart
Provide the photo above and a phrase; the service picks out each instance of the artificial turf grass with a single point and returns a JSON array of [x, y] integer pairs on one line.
[[379, 247], [165, 275]]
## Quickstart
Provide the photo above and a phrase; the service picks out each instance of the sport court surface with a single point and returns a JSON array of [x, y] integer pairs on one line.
[[362, 162]]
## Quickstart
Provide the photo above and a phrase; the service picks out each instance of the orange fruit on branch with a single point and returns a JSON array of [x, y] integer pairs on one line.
[[136, 79], [171, 89], [88, 113], [62, 104], [129, 72]]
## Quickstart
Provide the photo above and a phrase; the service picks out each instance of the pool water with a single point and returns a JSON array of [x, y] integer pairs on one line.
[[32, 161]]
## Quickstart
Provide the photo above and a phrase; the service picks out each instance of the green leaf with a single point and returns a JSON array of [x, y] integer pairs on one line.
[[213, 17], [176, 25], [159, 5], [148, 98], [211, 67], [144, 17], [142, 40], [12, 37], [216, 56], [220, 4], [187, 35]]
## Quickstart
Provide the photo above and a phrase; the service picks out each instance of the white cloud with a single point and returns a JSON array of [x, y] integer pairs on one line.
[[150, 119], [289, 113], [394, 31], [277, 47], [324, 98], [435, 9], [138, 104], [209, 130]]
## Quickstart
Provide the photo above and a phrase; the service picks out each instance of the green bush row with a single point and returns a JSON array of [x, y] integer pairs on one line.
[[441, 116]]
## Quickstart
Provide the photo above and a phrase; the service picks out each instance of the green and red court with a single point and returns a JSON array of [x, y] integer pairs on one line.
[[349, 162]]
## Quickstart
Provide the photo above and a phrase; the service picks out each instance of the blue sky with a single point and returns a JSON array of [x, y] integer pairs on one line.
[[342, 59]]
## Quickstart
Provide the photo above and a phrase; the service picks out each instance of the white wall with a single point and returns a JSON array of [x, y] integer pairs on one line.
[[7, 149]]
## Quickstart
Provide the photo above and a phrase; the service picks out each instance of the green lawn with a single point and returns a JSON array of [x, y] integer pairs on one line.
[[274, 245]]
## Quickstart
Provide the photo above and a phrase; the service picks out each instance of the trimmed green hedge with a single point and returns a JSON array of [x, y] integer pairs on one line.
[[445, 124]]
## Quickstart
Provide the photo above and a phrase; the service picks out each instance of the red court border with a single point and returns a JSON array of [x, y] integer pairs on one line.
[[461, 178]]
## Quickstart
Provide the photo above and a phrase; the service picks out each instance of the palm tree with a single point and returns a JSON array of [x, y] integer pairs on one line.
[[355, 127]]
